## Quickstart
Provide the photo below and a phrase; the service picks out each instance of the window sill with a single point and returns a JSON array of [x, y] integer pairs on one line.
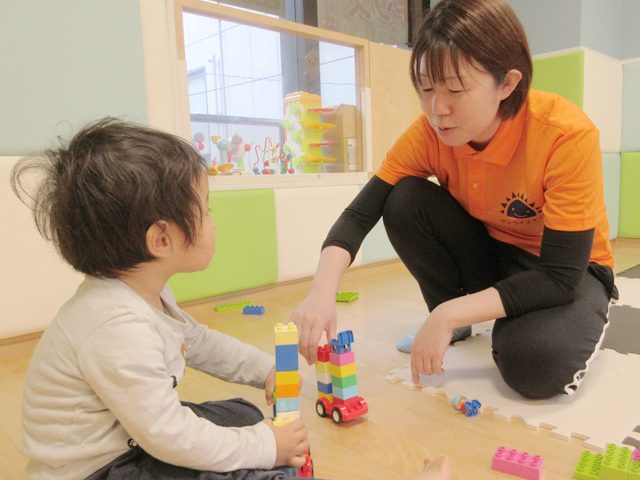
[[244, 182]]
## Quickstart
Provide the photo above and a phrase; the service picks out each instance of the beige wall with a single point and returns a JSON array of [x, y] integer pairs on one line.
[[394, 103]]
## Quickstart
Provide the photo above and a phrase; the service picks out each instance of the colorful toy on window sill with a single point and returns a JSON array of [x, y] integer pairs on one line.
[[232, 151], [337, 383], [304, 131], [470, 409], [275, 157]]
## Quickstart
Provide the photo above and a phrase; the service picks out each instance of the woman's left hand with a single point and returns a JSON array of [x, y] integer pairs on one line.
[[429, 346]]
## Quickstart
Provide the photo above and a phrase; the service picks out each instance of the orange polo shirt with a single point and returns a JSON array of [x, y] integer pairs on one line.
[[542, 167]]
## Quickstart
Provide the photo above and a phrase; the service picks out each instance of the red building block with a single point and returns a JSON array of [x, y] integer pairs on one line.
[[519, 464]]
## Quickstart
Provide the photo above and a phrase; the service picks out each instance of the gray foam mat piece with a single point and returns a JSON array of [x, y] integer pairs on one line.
[[632, 442], [623, 333], [633, 272]]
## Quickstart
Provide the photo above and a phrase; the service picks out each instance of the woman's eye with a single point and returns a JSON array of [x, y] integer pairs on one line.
[[455, 91]]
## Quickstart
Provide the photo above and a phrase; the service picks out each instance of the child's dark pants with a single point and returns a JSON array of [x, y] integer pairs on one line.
[[539, 354], [139, 465]]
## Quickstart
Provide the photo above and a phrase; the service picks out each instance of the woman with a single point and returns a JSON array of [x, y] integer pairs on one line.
[[517, 229]]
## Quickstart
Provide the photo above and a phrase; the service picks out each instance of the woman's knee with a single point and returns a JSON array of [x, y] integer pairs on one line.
[[408, 197], [534, 371]]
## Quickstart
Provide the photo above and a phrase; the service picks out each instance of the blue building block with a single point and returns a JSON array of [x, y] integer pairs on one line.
[[283, 351], [345, 393], [291, 404], [471, 408], [324, 388], [253, 310], [343, 343], [287, 364]]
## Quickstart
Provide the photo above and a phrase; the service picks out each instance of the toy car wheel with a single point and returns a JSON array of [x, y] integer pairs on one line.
[[320, 409], [336, 415]]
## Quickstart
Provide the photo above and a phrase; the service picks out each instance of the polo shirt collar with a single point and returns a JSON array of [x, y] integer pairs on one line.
[[502, 146]]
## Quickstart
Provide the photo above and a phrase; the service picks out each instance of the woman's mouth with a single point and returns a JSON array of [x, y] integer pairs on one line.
[[444, 131]]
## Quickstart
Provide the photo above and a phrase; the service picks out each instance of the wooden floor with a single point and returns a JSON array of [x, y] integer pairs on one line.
[[402, 426]]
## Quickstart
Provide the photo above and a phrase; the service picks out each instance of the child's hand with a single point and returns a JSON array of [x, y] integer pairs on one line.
[[270, 385], [291, 441]]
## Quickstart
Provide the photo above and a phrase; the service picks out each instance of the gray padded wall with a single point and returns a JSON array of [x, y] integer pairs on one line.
[[64, 63]]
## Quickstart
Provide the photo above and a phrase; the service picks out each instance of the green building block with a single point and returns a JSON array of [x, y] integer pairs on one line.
[[233, 306], [346, 296], [634, 471], [588, 466], [616, 462]]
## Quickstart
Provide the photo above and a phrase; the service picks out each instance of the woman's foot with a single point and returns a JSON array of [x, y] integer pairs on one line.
[[437, 469]]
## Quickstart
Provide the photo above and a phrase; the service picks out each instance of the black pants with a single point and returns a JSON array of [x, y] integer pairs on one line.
[[539, 354], [139, 465]]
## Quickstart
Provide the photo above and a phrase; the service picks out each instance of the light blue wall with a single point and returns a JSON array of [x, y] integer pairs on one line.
[[601, 26], [551, 25], [630, 29], [67, 61]]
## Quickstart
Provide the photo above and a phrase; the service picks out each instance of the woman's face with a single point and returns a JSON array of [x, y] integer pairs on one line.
[[463, 110]]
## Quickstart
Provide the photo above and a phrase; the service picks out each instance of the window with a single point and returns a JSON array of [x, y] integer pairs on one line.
[[268, 98]]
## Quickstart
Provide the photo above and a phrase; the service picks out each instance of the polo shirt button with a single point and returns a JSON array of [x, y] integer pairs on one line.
[[475, 185]]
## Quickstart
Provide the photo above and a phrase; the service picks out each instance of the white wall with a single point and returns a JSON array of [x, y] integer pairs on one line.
[[34, 281]]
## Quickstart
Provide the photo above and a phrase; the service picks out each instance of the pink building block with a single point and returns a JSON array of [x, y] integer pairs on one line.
[[519, 464], [636, 455]]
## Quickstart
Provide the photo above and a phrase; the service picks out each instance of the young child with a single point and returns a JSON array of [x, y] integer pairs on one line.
[[128, 206]]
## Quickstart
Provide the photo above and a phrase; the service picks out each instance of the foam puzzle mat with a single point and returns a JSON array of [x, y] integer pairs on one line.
[[603, 410]]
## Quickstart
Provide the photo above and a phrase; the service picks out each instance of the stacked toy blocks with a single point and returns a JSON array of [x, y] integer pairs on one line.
[[519, 464], [337, 381], [323, 374], [287, 400], [617, 463]]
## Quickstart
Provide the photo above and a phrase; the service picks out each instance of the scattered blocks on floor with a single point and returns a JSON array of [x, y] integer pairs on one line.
[[253, 310], [519, 464], [346, 296], [588, 466], [233, 306], [616, 463]]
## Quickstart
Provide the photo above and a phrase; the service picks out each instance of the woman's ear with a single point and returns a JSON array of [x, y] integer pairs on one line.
[[158, 240], [510, 83]]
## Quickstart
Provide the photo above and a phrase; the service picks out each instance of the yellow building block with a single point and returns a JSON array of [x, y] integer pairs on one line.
[[328, 396], [344, 371], [287, 378], [288, 416], [286, 334], [282, 421], [324, 367]]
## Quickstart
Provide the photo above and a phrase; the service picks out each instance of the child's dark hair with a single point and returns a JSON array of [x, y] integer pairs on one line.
[[102, 191], [487, 32]]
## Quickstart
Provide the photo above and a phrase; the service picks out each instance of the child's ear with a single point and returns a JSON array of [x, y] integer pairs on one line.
[[158, 240]]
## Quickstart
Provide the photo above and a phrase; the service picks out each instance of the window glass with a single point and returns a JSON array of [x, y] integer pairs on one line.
[[266, 103]]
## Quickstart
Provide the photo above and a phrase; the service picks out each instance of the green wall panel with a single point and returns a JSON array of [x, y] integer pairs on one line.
[[246, 247], [629, 195], [562, 74]]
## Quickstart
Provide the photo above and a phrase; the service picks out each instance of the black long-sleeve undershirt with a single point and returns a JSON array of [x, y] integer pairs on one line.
[[564, 256]]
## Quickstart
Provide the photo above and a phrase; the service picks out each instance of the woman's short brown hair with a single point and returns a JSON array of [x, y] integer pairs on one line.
[[486, 32], [98, 194]]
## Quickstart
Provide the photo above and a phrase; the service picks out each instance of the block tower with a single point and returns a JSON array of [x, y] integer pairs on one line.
[[287, 404], [304, 131], [340, 395]]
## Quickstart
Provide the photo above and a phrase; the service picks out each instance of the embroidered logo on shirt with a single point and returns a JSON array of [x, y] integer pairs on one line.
[[519, 207]]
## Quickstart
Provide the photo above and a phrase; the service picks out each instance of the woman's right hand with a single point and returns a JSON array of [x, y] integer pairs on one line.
[[291, 442], [316, 314]]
